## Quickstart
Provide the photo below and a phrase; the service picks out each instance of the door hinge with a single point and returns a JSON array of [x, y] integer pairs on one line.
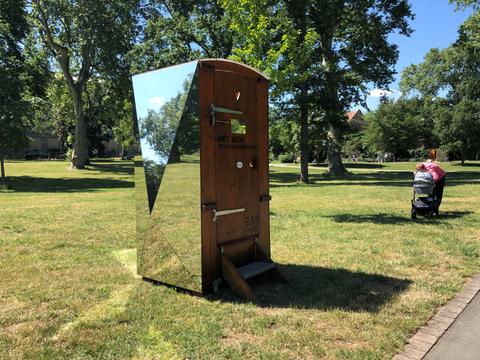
[[266, 197], [209, 206]]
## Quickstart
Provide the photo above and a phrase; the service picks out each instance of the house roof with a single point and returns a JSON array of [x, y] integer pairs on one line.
[[356, 118], [351, 114]]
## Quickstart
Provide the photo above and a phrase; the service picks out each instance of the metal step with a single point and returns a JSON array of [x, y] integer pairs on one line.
[[255, 268]]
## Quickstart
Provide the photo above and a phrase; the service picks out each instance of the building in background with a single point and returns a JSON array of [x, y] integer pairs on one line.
[[44, 146], [355, 118], [48, 146]]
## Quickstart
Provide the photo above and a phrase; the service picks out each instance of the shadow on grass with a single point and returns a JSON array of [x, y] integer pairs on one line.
[[347, 165], [394, 219], [112, 167], [325, 289], [66, 185], [364, 165], [468, 164], [377, 178]]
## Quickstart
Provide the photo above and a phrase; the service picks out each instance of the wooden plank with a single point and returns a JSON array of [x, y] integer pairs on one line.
[[235, 280], [263, 179], [255, 268], [234, 67], [223, 183], [211, 269], [236, 187]]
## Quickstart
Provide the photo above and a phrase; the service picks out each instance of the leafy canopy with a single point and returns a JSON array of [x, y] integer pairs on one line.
[[13, 29]]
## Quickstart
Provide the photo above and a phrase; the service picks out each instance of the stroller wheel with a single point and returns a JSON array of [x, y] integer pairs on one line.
[[414, 214], [430, 214]]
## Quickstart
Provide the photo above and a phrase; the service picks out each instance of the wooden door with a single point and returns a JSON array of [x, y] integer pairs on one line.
[[234, 165], [237, 219]]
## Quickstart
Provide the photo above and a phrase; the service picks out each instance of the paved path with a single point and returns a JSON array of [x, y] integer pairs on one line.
[[453, 333], [462, 340]]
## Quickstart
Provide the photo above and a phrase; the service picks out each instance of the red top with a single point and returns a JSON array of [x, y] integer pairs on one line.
[[434, 169]]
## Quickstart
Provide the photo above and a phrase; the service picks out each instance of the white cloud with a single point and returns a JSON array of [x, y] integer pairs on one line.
[[376, 93], [379, 93], [157, 101]]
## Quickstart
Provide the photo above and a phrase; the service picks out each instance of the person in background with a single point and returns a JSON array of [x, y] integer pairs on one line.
[[438, 175]]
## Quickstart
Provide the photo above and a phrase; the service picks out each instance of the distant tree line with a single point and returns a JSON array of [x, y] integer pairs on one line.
[[65, 68], [439, 106]]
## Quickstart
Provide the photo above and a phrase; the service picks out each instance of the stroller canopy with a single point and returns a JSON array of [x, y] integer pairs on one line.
[[423, 183]]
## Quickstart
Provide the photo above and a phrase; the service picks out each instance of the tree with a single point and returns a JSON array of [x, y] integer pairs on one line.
[[458, 128], [320, 55], [465, 3], [181, 30], [13, 29], [396, 127], [450, 77], [86, 38], [174, 130], [123, 131]]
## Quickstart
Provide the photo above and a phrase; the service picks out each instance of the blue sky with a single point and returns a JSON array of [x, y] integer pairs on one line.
[[435, 25]]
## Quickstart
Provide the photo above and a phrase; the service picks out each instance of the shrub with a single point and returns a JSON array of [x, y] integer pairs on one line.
[[287, 158]]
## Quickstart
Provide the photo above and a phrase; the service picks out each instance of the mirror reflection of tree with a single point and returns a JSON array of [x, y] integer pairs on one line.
[[153, 177], [188, 134], [173, 130]]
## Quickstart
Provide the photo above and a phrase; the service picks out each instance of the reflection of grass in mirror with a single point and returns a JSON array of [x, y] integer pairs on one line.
[[142, 210], [176, 218], [347, 245]]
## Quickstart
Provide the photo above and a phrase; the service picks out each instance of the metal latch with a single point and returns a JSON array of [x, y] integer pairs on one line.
[[214, 109], [226, 212]]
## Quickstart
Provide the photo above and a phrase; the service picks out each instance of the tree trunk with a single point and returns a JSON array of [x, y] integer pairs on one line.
[[3, 182], [304, 143], [335, 164], [76, 87], [80, 145], [333, 108], [174, 153]]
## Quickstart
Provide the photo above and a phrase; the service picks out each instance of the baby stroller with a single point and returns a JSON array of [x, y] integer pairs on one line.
[[423, 184]]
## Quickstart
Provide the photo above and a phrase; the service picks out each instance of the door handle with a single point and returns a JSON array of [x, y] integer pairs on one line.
[[214, 109], [217, 213]]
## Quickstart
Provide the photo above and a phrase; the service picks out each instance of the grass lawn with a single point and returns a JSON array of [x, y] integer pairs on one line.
[[364, 275]]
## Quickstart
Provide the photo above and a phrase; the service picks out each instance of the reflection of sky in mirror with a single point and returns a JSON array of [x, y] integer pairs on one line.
[[152, 90]]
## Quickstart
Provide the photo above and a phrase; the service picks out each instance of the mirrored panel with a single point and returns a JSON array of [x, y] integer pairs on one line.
[[168, 125]]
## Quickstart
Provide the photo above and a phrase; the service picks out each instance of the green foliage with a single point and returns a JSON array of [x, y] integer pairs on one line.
[[174, 130], [287, 158], [458, 128], [96, 34], [455, 71], [13, 29], [179, 31], [284, 133], [89, 41], [319, 54], [355, 145], [123, 131], [395, 127], [461, 4]]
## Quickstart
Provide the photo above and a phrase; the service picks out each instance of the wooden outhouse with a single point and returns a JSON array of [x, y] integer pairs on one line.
[[202, 196]]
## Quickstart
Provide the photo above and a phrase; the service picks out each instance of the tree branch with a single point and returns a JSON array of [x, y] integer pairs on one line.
[[60, 51], [85, 70]]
